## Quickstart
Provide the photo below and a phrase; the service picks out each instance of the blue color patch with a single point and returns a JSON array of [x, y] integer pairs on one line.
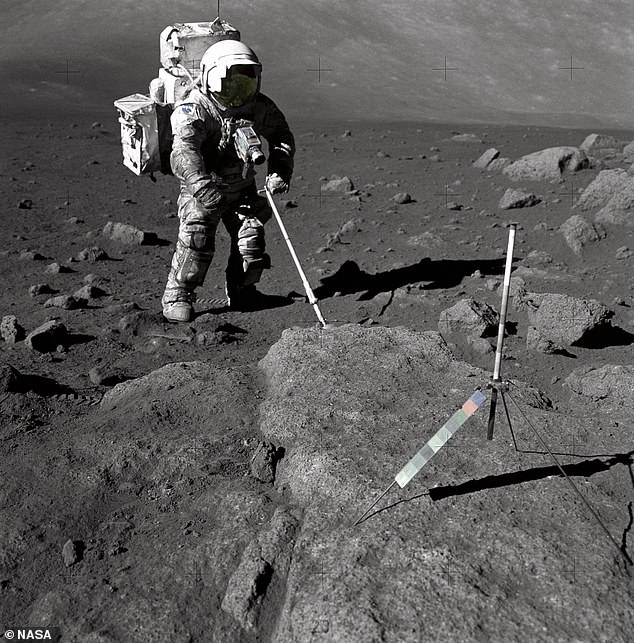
[[187, 108]]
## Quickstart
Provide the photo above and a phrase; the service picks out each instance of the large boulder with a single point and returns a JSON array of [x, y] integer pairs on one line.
[[468, 317], [550, 163], [578, 232], [604, 186], [619, 210], [352, 406], [595, 143], [611, 386], [559, 321]]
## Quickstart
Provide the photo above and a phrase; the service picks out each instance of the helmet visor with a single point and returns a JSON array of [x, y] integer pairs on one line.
[[239, 86]]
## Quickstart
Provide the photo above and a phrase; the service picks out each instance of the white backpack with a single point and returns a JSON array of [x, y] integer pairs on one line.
[[146, 133]]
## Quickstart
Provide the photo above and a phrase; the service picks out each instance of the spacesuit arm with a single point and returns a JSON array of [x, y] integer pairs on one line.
[[281, 141], [186, 159]]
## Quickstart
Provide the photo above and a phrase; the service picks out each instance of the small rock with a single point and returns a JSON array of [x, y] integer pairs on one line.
[[96, 125], [41, 289], [338, 185], [517, 199], [264, 462], [128, 234], [484, 161], [67, 302], [9, 379], [11, 330], [30, 255], [578, 232], [106, 375], [95, 253], [290, 203], [346, 134], [466, 138], [88, 292], [402, 198], [71, 553], [54, 268], [25, 204], [46, 338], [453, 205], [623, 253]]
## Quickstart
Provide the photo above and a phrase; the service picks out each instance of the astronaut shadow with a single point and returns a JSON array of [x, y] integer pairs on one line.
[[441, 273]]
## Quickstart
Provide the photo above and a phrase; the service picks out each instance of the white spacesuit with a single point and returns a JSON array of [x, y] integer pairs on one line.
[[216, 184]]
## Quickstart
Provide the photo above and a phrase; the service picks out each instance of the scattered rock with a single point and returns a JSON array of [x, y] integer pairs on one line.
[[71, 553], [402, 198], [290, 204], [25, 204], [549, 163], [612, 385], [95, 253], [557, 321], [10, 329], [41, 289], [346, 134], [31, 255], [490, 155], [128, 234], [106, 375], [89, 292], [47, 337], [517, 199], [55, 268], [453, 205], [468, 317], [67, 302], [338, 185], [264, 461], [623, 253], [466, 138], [578, 232], [135, 322], [96, 125], [604, 186], [9, 379]]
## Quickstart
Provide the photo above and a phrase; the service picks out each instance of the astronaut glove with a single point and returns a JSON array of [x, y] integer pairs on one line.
[[276, 184], [209, 196]]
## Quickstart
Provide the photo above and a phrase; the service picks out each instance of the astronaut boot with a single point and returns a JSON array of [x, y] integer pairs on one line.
[[178, 304]]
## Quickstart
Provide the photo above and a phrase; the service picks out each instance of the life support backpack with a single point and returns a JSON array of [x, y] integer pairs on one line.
[[146, 133]]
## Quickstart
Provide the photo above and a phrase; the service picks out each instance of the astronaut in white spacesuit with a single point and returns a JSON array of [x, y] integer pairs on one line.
[[216, 183]]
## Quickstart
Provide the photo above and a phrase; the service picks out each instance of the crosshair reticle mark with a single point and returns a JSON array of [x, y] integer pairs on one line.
[[445, 69], [68, 71], [319, 69], [572, 68], [447, 193]]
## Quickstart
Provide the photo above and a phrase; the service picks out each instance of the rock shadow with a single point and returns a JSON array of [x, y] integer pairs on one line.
[[605, 336], [442, 273]]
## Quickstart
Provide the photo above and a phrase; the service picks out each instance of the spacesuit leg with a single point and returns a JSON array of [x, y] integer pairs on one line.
[[194, 250], [247, 258]]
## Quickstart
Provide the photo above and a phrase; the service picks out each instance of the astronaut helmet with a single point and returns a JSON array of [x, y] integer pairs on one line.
[[230, 73]]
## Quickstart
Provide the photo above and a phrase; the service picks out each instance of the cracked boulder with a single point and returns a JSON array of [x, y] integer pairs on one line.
[[549, 163], [559, 321]]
